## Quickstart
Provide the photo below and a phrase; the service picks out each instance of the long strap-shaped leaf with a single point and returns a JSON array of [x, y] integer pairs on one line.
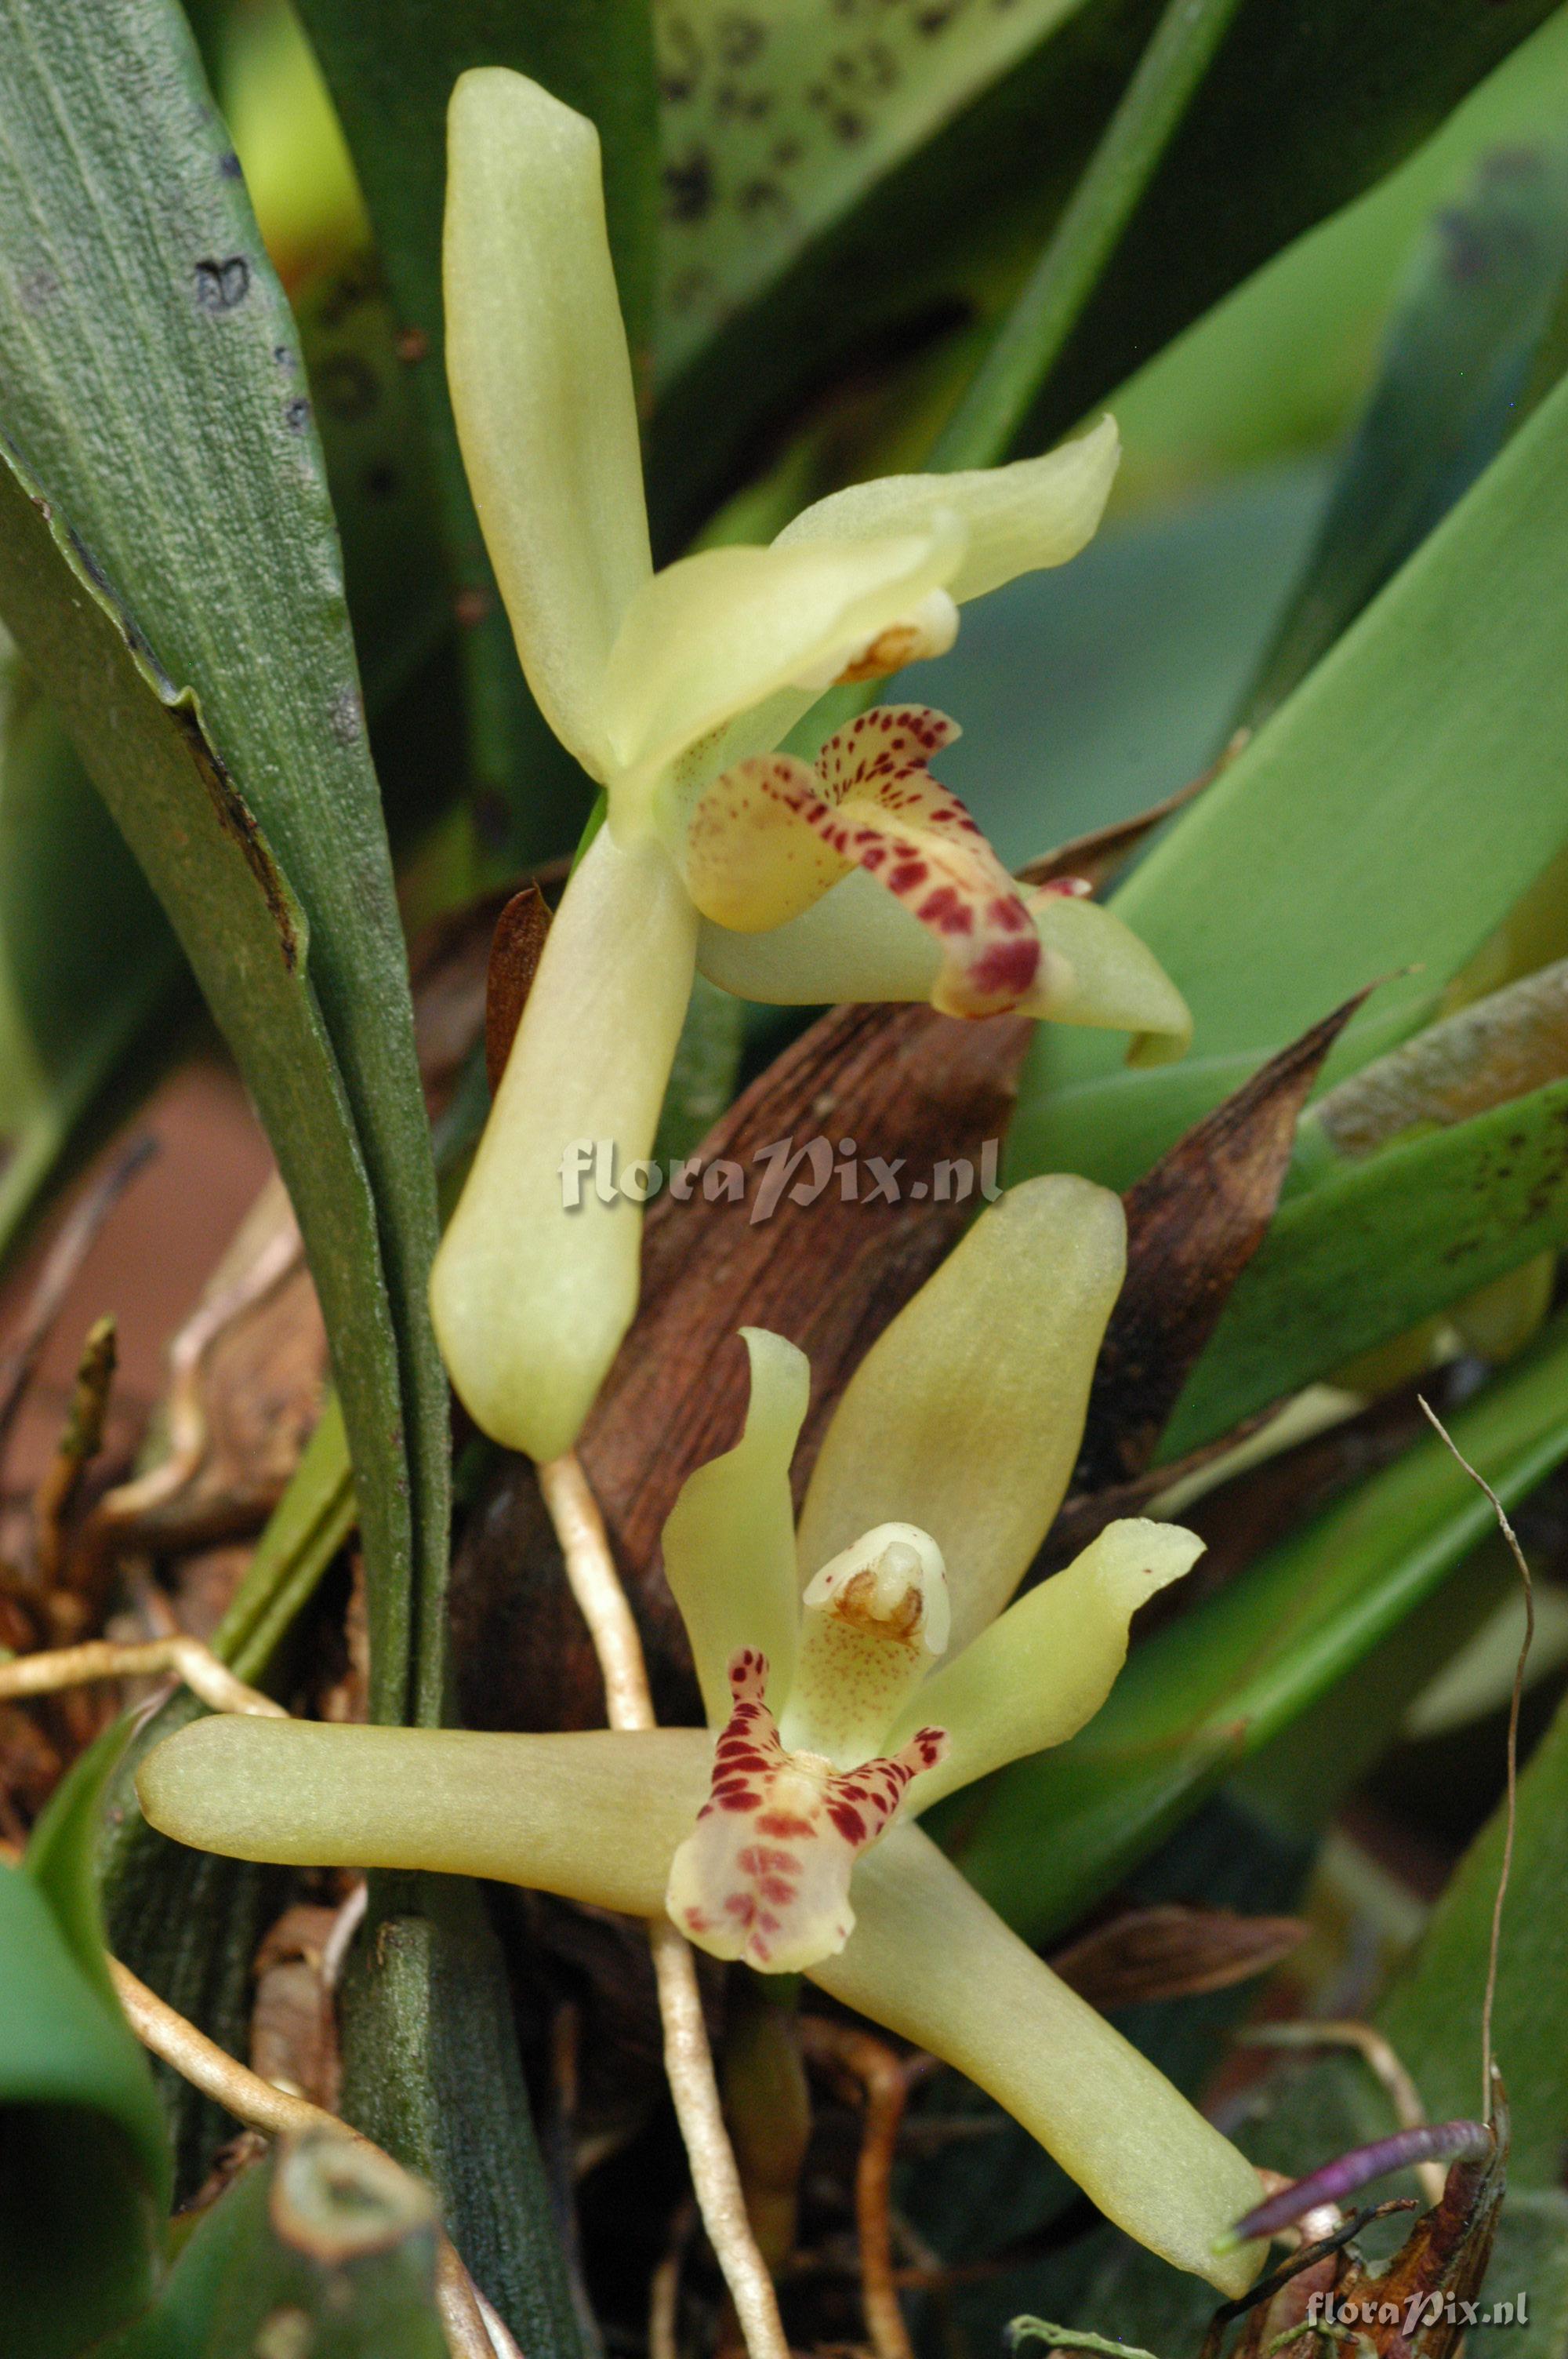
[[150, 381]]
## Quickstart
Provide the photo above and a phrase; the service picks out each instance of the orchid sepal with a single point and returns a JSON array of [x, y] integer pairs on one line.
[[590, 1060], [964, 1416]]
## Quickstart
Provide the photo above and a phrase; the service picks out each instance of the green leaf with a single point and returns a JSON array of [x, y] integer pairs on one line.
[[1383, 822], [391, 71], [1433, 2014], [1459, 351], [955, 199], [1046, 1837], [1138, 651], [89, 973], [773, 130], [324, 2251], [1373, 1248], [83, 2160], [248, 940], [1018, 359], [429, 1979], [195, 481], [61, 1853], [377, 471]]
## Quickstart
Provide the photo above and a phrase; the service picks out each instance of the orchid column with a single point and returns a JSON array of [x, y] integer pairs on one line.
[[857, 877]]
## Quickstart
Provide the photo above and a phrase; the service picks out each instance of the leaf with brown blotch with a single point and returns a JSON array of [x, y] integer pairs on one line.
[[1174, 1952], [830, 1274], [516, 947], [1193, 1224]]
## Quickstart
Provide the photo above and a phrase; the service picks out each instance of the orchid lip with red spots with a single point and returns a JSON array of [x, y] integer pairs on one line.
[[764, 1874]]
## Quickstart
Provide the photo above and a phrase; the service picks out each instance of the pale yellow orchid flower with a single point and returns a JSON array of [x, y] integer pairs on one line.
[[783, 1833], [857, 877]]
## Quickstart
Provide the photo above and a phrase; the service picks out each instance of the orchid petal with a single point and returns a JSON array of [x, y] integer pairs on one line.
[[718, 633], [932, 1963], [1100, 974], [764, 1874], [595, 1815], [966, 1414], [729, 1539], [1038, 512], [541, 391], [1046, 1666], [531, 1295]]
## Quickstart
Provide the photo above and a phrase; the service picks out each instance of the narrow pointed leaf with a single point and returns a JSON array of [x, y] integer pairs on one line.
[[1375, 1247], [196, 482], [1473, 313], [944, 148], [1413, 785]]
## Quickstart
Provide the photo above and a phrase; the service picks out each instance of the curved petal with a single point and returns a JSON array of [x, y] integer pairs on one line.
[[932, 1963], [966, 1414], [542, 389], [729, 1539], [1046, 1666], [715, 634], [1037, 512], [1102, 974], [532, 1290], [595, 1816]]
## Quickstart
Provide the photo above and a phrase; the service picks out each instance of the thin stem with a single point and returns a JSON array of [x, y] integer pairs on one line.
[[261, 2106], [1048, 308], [884, 2078], [104, 1659], [1511, 1811], [688, 2060]]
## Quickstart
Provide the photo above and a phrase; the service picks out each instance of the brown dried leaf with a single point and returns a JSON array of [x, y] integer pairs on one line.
[[1193, 1223], [1174, 1952], [830, 1274], [516, 947]]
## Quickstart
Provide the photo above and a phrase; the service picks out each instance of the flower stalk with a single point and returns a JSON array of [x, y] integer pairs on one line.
[[688, 2059]]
